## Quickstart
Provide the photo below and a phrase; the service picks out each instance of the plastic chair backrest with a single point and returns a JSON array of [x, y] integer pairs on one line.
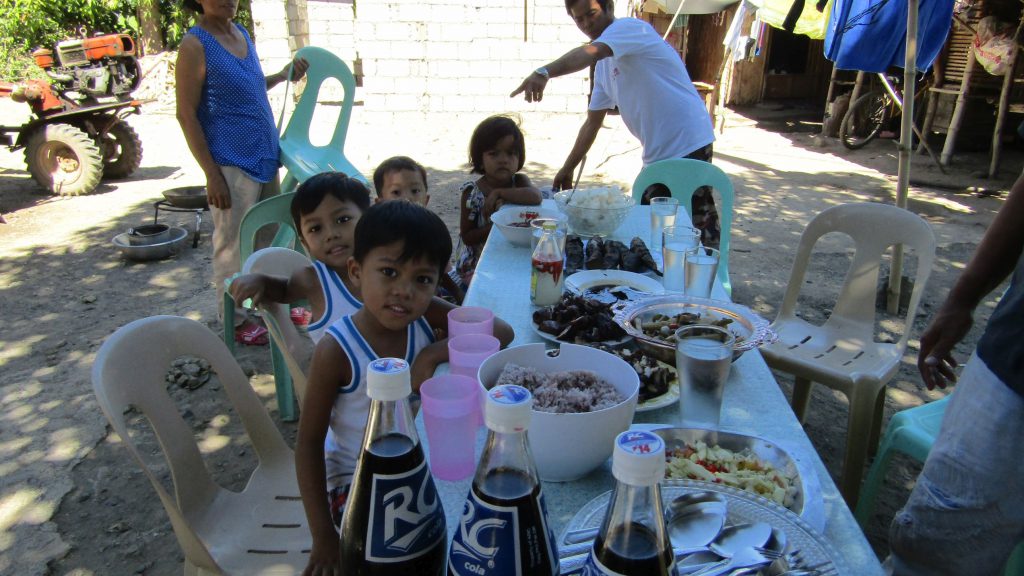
[[295, 347], [273, 210], [298, 153], [683, 176], [129, 370], [873, 228]]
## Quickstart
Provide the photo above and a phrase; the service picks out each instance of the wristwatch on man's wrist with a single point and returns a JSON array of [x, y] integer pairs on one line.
[[542, 71]]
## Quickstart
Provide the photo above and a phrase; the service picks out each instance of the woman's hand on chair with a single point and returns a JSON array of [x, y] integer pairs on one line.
[[298, 67], [324, 560]]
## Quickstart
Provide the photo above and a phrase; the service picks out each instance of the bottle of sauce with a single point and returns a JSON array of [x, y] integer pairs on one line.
[[503, 530], [393, 522], [546, 278], [632, 540]]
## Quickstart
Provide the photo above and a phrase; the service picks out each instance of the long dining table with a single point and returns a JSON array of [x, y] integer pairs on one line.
[[752, 404]]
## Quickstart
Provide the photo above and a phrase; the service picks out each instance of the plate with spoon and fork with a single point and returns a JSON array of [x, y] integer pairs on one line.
[[716, 529]]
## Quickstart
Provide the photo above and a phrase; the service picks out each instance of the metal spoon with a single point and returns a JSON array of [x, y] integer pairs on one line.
[[735, 538], [684, 504], [693, 531], [579, 175]]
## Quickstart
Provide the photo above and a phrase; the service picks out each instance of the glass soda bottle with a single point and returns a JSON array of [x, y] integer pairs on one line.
[[503, 530], [546, 278], [632, 540], [393, 521]]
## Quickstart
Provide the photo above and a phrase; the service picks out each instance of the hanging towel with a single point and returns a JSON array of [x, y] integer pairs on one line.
[[870, 35], [811, 23]]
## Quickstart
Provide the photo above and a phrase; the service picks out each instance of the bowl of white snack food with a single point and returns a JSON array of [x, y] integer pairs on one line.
[[595, 211]]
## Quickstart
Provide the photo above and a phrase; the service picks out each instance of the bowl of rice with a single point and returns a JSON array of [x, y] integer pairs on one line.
[[595, 211], [582, 398]]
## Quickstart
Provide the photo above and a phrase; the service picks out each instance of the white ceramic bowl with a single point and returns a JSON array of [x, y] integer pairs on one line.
[[594, 211], [568, 446], [505, 219]]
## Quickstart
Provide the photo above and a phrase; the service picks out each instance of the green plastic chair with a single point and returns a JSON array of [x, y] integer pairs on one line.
[[913, 432], [682, 176], [301, 157]]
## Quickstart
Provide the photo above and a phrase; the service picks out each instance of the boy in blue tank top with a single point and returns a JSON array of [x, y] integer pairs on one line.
[[401, 250], [325, 210]]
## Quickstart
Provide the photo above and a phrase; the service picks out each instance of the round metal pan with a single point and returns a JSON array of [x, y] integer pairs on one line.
[[188, 197]]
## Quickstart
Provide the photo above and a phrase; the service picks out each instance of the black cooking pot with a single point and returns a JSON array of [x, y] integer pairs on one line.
[[190, 197]]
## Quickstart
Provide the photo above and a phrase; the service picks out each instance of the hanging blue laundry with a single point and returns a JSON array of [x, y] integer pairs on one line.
[[870, 35]]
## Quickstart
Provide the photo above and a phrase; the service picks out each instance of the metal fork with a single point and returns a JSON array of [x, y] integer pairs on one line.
[[743, 558]]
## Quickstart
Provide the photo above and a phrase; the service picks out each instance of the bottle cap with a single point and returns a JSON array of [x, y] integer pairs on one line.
[[388, 379], [639, 458], [508, 408]]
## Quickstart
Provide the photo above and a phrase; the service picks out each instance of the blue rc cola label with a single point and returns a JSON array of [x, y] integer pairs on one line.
[[406, 519], [497, 540]]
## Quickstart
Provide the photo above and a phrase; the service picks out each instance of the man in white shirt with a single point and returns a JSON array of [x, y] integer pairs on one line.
[[644, 77]]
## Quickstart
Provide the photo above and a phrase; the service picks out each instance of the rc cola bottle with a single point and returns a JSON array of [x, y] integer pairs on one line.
[[393, 523], [503, 530], [632, 540]]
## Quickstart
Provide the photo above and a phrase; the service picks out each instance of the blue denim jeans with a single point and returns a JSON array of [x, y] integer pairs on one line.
[[966, 512]]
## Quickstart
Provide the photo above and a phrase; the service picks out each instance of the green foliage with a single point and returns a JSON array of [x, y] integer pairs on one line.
[[29, 24]]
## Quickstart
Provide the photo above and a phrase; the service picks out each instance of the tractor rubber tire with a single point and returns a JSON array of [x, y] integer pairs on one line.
[[122, 150], [64, 159]]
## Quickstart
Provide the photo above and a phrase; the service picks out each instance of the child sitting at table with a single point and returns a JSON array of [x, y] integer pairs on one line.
[[325, 210], [402, 178], [400, 251], [497, 151]]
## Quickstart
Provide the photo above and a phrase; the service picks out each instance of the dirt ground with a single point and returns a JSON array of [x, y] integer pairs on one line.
[[71, 500]]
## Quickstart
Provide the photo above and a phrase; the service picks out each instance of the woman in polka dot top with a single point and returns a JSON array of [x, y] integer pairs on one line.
[[225, 114]]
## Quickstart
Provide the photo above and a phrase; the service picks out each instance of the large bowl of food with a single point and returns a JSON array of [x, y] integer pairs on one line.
[[514, 221], [594, 211], [744, 462], [582, 399], [653, 322]]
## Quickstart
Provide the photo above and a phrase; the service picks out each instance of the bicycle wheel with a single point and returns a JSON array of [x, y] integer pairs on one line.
[[864, 120]]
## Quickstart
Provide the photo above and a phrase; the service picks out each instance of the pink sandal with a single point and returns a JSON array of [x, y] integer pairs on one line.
[[251, 335]]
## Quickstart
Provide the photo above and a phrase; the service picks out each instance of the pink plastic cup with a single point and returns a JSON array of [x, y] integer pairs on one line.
[[467, 352], [470, 320], [450, 414]]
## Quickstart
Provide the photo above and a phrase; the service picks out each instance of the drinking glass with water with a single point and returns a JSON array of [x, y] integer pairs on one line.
[[678, 240], [663, 215], [703, 360], [701, 265]]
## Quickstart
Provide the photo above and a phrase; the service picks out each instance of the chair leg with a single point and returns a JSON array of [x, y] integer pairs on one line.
[[801, 397], [876, 474], [858, 430], [286, 405], [876, 423], [289, 183]]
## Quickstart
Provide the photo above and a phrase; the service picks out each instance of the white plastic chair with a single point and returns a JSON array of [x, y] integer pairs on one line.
[[842, 353], [261, 530], [292, 351]]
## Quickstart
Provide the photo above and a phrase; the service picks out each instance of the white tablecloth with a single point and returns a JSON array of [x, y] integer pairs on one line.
[[752, 404]]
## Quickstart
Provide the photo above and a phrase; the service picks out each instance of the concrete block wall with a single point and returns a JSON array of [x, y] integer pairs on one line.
[[459, 57]]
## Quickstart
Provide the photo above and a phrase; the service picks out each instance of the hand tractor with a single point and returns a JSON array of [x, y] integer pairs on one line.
[[77, 133]]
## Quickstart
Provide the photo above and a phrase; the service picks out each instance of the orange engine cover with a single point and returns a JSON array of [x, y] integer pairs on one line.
[[43, 58], [99, 47]]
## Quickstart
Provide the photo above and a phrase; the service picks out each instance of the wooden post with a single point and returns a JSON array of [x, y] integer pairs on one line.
[[958, 111], [857, 86], [828, 99], [1004, 102], [892, 303]]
